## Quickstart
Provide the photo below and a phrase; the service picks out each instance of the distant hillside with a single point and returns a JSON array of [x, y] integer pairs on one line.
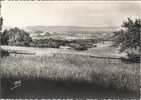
[[67, 29], [70, 32]]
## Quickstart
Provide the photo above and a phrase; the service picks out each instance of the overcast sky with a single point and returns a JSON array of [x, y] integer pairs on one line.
[[69, 13]]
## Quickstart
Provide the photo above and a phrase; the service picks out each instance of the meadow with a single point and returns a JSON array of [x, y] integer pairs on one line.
[[108, 73]]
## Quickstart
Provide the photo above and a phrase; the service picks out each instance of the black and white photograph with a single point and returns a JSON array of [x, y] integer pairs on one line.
[[70, 49]]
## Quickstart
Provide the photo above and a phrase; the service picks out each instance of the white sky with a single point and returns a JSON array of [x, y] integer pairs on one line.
[[69, 13]]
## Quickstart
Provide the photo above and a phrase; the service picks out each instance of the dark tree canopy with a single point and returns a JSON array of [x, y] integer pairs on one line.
[[129, 35], [15, 36]]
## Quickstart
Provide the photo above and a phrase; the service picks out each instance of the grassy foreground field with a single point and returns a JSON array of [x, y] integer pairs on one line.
[[107, 73]]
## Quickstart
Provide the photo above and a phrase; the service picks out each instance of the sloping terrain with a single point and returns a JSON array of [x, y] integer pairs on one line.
[[69, 73], [69, 32], [102, 50]]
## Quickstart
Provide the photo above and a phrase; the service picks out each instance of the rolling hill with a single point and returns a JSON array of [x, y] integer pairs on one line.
[[70, 32]]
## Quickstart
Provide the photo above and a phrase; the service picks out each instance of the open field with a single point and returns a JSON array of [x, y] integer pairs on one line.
[[102, 50], [106, 73], [75, 69]]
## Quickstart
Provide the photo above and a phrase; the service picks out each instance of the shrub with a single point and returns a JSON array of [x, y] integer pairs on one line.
[[78, 46], [3, 53], [133, 55]]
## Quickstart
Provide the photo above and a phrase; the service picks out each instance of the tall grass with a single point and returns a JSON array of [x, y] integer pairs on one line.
[[104, 72]]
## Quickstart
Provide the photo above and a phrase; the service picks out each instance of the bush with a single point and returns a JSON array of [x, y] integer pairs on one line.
[[78, 46], [134, 56], [16, 37], [3, 53]]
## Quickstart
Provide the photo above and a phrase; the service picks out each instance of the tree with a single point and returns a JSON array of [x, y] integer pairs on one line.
[[15, 36], [128, 38]]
